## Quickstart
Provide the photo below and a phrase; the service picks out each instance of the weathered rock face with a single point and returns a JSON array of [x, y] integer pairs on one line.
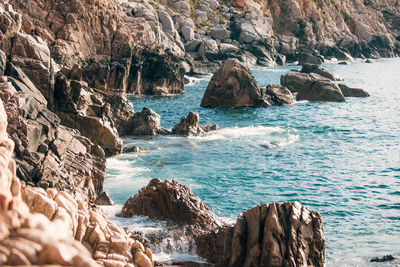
[[278, 234], [312, 87], [352, 92], [312, 68], [48, 154], [277, 95], [232, 86], [172, 201], [190, 126], [157, 73], [104, 199], [146, 122], [43, 227]]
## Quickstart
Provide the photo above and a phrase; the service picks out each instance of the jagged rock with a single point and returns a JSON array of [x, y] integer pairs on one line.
[[219, 32], [277, 234], [190, 126], [309, 58], [312, 87], [3, 62], [146, 122], [157, 73], [104, 199], [277, 95], [48, 154], [188, 33], [130, 149], [172, 201], [313, 68], [352, 92], [46, 227], [232, 86]]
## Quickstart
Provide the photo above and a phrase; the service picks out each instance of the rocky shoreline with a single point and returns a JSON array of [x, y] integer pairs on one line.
[[66, 70]]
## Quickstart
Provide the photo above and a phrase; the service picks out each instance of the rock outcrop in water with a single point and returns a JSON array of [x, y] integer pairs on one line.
[[172, 201], [312, 68], [40, 227], [190, 126], [312, 87], [234, 86], [352, 92], [277, 234], [146, 122]]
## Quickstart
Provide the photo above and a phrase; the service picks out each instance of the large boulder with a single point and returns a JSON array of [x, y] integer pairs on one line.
[[190, 126], [146, 122], [172, 201], [313, 68], [312, 87], [277, 95], [310, 58], [232, 85], [277, 234], [352, 92]]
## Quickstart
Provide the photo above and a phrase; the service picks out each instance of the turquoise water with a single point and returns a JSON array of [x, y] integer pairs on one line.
[[341, 159]]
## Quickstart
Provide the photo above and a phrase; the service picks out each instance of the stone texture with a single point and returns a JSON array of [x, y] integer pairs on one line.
[[190, 126], [46, 227], [146, 122], [277, 95], [232, 86], [104, 199], [172, 201], [277, 234], [312, 68], [309, 58], [352, 92]]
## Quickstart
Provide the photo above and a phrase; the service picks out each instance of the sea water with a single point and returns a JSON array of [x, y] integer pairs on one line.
[[341, 159]]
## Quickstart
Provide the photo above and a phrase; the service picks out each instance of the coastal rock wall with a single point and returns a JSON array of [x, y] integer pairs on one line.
[[42, 227]]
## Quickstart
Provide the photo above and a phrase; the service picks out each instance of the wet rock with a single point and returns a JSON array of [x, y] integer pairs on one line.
[[104, 199], [344, 63], [146, 122], [172, 201], [309, 58], [312, 68], [190, 126], [383, 259], [232, 86], [352, 92], [277, 234], [130, 149], [277, 95], [312, 87]]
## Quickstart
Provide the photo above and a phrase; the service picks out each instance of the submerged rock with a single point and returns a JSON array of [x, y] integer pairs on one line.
[[131, 148], [190, 126], [277, 234], [383, 259], [172, 201], [352, 92]]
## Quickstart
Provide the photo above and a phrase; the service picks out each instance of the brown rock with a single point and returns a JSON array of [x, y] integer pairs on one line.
[[277, 95], [104, 199], [172, 201], [146, 122], [278, 234], [190, 126], [232, 86], [352, 92], [312, 68]]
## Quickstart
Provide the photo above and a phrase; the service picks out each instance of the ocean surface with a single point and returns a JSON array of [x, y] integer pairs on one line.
[[341, 159]]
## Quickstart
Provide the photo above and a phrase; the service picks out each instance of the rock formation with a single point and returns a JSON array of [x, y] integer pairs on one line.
[[39, 227], [172, 201], [278, 95], [352, 92], [312, 87], [146, 122], [277, 234], [312, 68], [234, 86], [190, 126]]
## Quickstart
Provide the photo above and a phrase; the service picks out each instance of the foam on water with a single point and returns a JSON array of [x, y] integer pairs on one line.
[[341, 159]]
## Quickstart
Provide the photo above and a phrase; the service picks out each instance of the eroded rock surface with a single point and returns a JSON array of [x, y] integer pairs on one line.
[[39, 227], [190, 126], [277, 234], [172, 201]]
